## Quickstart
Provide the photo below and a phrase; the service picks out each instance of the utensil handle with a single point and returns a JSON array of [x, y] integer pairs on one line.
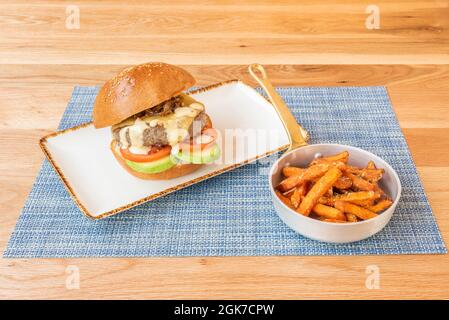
[[296, 134]]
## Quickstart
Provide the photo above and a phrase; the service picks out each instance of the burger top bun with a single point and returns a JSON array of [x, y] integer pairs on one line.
[[136, 89]]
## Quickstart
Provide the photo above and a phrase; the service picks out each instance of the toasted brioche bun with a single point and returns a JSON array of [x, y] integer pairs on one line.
[[174, 172], [136, 89]]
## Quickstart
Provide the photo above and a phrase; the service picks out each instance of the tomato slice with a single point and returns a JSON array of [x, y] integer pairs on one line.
[[191, 145], [154, 154], [208, 124]]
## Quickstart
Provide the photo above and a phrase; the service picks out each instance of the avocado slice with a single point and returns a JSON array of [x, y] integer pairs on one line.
[[153, 166], [200, 157]]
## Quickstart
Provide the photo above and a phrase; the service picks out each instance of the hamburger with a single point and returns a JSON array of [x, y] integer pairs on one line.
[[158, 131]]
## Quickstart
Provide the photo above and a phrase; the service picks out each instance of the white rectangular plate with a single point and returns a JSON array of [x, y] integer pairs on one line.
[[101, 187]]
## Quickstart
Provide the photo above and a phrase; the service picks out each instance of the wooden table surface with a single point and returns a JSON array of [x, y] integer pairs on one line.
[[307, 43]]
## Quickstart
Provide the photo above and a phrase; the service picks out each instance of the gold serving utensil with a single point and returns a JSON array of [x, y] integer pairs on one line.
[[296, 134]]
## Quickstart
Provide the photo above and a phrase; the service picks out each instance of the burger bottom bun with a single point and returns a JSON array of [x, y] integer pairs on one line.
[[174, 172]]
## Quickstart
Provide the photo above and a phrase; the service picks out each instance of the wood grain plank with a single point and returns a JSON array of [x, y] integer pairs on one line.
[[225, 51], [418, 92], [429, 147], [401, 77], [225, 33], [299, 20], [241, 278]]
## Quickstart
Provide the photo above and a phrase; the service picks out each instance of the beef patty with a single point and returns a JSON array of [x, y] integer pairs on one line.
[[157, 136]]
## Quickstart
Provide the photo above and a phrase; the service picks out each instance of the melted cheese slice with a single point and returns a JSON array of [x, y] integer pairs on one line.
[[176, 125]]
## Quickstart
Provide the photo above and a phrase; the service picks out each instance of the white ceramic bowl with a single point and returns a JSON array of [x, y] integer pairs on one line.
[[328, 231]]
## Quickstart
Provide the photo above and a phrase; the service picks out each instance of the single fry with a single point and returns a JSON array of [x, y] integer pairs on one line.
[[332, 220], [328, 212], [351, 217], [371, 165], [299, 194], [330, 192], [343, 183], [292, 171], [360, 183], [372, 175], [326, 201], [284, 199], [295, 198], [356, 196], [289, 193], [318, 190], [360, 212], [364, 203], [340, 157], [290, 182], [308, 174], [379, 191], [381, 205], [303, 188], [339, 165]]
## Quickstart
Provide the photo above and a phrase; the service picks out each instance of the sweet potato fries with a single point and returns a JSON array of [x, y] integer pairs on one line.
[[331, 190]]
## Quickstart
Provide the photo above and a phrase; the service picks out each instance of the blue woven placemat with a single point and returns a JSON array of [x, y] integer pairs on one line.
[[232, 214]]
